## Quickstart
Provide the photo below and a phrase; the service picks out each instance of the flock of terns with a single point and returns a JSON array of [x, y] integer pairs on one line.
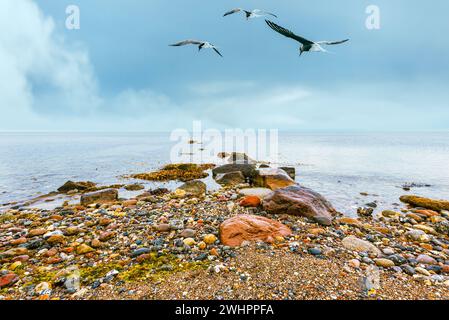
[[306, 45]]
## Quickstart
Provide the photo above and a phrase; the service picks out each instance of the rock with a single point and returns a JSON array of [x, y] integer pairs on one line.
[[291, 171], [163, 227], [354, 263], [355, 244], [187, 233], [258, 192], [55, 239], [417, 235], [176, 224], [71, 231], [72, 282], [300, 201], [129, 203], [250, 201], [194, 188], [80, 186], [83, 249], [425, 259], [442, 227], [210, 239], [102, 196], [365, 211], [134, 187], [236, 157], [189, 242], [314, 251], [202, 245], [248, 170], [372, 278], [390, 214], [179, 193], [409, 270], [422, 271], [272, 178], [242, 228], [385, 263], [15, 265], [8, 280], [96, 243], [425, 228], [349, 221], [107, 235], [427, 203], [36, 232], [230, 178], [43, 288], [139, 252]]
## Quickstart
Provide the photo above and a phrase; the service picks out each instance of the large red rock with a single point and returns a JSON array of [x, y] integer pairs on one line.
[[300, 201], [272, 178], [250, 228]]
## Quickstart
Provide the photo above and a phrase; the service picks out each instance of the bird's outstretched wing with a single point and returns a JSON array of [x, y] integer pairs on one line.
[[266, 13], [232, 11], [218, 52], [329, 43], [186, 42], [287, 33]]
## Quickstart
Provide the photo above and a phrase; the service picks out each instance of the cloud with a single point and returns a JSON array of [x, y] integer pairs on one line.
[[49, 83], [44, 78]]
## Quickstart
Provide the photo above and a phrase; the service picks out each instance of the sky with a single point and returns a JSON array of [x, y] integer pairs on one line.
[[117, 72]]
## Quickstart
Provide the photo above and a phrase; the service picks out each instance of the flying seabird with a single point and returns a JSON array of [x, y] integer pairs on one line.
[[256, 13], [200, 44], [306, 45]]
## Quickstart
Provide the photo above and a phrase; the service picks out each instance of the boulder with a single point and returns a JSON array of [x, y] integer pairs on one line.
[[236, 157], [251, 228], [102, 196], [230, 178], [80, 186], [194, 188], [258, 192], [134, 187], [355, 244], [300, 201], [427, 203], [291, 171], [248, 170], [272, 178]]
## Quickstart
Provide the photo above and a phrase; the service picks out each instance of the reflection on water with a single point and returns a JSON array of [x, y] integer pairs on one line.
[[340, 166]]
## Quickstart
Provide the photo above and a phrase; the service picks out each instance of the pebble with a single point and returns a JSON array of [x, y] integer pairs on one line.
[[189, 242], [210, 239], [425, 259], [422, 271], [384, 263]]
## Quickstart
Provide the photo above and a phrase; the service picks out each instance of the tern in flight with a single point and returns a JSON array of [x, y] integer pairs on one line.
[[200, 44], [256, 13], [306, 45]]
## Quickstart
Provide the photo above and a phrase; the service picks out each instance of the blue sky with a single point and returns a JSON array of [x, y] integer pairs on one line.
[[117, 73]]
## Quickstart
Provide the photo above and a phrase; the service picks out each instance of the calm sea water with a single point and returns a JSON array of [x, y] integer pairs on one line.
[[340, 166]]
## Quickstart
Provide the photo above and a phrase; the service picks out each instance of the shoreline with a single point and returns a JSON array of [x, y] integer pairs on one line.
[[166, 244]]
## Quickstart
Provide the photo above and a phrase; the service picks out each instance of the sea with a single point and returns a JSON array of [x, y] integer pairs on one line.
[[349, 169]]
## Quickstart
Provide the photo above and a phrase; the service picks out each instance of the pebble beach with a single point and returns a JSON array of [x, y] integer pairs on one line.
[[260, 236]]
